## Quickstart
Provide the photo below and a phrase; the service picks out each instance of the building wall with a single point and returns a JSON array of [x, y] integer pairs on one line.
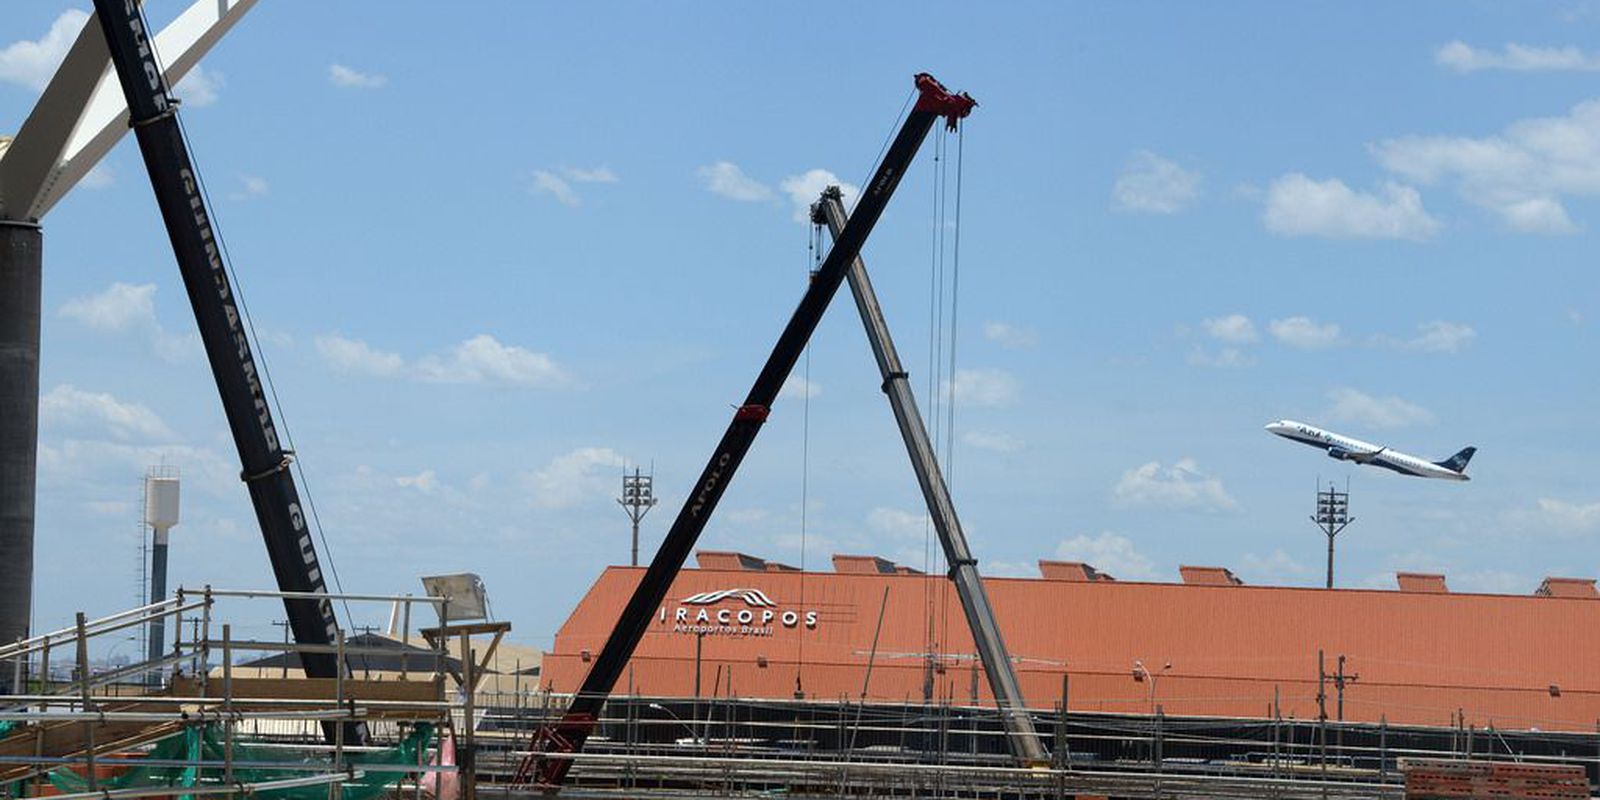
[[1516, 662]]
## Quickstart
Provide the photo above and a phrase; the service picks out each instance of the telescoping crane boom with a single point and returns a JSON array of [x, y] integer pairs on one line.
[[265, 461], [545, 765], [1020, 733]]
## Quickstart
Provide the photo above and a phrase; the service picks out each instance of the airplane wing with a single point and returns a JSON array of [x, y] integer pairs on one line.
[[1365, 457], [1358, 456]]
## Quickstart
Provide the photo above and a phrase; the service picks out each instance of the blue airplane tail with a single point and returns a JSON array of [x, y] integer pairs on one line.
[[1458, 462]]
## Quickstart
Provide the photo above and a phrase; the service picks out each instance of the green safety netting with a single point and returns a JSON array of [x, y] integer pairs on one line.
[[205, 743]]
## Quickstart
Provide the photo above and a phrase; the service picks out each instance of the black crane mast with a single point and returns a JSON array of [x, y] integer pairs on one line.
[[262, 455]]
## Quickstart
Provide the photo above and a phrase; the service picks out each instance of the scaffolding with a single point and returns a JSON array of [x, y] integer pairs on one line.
[[66, 723], [264, 730]]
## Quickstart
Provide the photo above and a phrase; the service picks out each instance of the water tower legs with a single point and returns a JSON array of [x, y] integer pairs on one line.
[[20, 282]]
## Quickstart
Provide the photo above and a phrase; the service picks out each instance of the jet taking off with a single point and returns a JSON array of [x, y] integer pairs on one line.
[[1345, 448]]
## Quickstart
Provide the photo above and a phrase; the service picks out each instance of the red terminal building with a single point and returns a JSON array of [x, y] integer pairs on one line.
[[1209, 646]]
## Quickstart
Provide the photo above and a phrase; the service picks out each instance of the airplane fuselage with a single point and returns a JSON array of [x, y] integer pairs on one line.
[[1346, 448]]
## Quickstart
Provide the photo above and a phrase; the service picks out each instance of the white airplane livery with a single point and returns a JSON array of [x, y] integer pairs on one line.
[[1345, 448]]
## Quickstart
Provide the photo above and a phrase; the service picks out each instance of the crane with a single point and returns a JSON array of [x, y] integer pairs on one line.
[[152, 113], [545, 765], [1021, 736]]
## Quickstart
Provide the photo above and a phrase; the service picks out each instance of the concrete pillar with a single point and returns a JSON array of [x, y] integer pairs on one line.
[[20, 282], [158, 592]]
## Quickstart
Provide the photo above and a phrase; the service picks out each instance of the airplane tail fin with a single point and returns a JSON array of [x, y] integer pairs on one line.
[[1458, 462]]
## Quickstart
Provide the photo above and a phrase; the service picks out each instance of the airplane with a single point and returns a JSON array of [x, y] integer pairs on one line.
[[1345, 448]]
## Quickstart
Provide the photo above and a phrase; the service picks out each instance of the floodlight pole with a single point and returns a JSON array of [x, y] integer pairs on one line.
[[1333, 514], [638, 497]]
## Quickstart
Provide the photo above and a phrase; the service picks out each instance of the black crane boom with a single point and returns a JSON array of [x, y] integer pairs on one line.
[[262, 456], [575, 726]]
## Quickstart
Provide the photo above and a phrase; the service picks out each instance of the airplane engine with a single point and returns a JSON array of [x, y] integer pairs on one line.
[[1340, 453]]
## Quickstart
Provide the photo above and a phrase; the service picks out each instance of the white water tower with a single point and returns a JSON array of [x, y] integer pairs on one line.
[[160, 514]]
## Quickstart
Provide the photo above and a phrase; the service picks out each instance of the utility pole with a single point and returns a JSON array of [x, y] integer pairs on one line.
[[1339, 681], [1333, 514], [638, 497], [1322, 710]]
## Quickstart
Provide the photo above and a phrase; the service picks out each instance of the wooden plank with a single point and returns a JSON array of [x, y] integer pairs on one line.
[[315, 689]]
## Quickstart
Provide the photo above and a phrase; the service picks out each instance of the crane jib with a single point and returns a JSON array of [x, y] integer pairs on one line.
[[224, 333]]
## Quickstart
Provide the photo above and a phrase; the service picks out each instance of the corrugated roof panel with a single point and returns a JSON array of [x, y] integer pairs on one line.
[[850, 564], [728, 560], [1567, 587], [1208, 576], [1423, 582]]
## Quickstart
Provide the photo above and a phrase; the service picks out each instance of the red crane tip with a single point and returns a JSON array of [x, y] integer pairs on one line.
[[939, 100]]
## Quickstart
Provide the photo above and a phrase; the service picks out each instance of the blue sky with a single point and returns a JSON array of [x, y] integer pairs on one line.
[[494, 256]]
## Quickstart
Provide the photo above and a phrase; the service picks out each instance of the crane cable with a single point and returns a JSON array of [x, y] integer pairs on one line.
[[955, 297], [813, 261], [935, 336], [259, 353]]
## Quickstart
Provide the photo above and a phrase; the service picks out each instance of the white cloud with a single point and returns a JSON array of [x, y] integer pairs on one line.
[[560, 186], [76, 462], [1226, 358], [480, 359], [1181, 486], [1110, 553], [1276, 567], [1010, 569], [73, 408], [586, 474], [1561, 516], [483, 359], [200, 87], [898, 523], [595, 175], [1154, 185], [1350, 405], [1009, 336], [1441, 337], [425, 481], [1235, 328], [99, 176], [1462, 57], [1490, 581], [353, 356], [251, 186], [984, 388], [1520, 174], [799, 388], [555, 186], [1304, 333], [347, 78], [129, 308], [30, 63], [726, 179], [806, 188], [121, 307], [997, 442], [1299, 206]]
